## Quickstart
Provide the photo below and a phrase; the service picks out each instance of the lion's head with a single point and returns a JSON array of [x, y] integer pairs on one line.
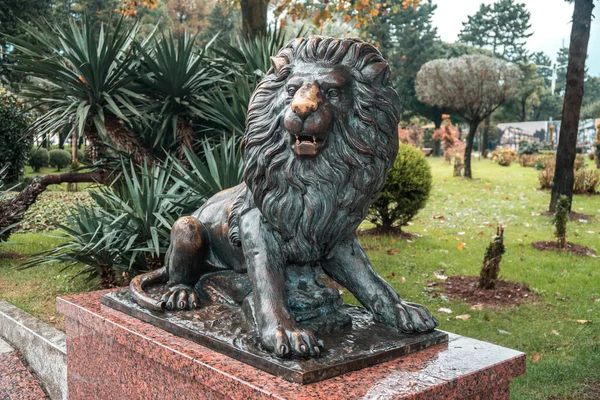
[[320, 136]]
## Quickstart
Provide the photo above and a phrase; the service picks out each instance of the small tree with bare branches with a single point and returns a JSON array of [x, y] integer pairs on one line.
[[473, 86]]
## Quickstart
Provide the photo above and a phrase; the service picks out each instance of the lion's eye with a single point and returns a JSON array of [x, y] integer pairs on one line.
[[333, 93], [292, 91]]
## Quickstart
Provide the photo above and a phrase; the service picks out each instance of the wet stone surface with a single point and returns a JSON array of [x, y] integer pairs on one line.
[[223, 327]]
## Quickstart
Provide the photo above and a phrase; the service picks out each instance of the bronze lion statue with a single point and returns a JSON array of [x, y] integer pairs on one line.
[[320, 136]]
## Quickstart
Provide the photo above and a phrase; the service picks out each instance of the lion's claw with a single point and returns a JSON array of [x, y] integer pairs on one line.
[[181, 297], [407, 317], [292, 341], [420, 318]]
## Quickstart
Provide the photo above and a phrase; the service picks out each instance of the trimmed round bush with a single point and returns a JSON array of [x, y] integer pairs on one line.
[[81, 157], [39, 158], [406, 190], [59, 159]]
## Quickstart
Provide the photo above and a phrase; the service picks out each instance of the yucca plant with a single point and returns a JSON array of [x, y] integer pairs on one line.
[[85, 77], [247, 61], [128, 230], [219, 167], [174, 76]]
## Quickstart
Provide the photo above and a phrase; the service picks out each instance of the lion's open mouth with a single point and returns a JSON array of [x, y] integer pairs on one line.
[[305, 145]]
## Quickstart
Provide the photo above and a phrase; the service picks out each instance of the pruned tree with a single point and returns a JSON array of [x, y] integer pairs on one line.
[[567, 142], [488, 275], [471, 86]]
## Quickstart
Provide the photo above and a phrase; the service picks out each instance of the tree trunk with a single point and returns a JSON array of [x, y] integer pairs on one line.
[[254, 17], [13, 210], [126, 141], [567, 141], [469, 148], [74, 160]]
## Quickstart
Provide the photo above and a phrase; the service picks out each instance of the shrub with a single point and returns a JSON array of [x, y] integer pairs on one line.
[[413, 135], [586, 181], [546, 176], [38, 158], [458, 166], [81, 157], [529, 148], [560, 219], [579, 162], [544, 158], [59, 159], [527, 160], [15, 139], [406, 190], [504, 156]]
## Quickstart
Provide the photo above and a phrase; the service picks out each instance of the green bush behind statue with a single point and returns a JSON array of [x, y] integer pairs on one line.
[[406, 190]]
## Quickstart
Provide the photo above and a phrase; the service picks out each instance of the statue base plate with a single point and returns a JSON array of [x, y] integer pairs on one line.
[[223, 328]]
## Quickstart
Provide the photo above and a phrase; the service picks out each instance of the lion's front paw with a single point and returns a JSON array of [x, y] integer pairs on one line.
[[285, 342], [181, 297], [408, 317]]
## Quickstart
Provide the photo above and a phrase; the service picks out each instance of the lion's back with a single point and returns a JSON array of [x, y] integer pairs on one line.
[[219, 217]]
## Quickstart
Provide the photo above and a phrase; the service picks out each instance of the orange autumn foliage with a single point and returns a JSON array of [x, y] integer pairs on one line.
[[449, 136]]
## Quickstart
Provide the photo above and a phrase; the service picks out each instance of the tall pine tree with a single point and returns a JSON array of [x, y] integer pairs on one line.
[[502, 27]]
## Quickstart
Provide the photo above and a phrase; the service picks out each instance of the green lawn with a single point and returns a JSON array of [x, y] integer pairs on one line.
[[569, 286], [35, 290]]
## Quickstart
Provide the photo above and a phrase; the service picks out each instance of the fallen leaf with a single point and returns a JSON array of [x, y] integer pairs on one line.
[[445, 310], [504, 332], [391, 252], [440, 275], [403, 279], [393, 241], [461, 246], [52, 318], [555, 332], [463, 317], [536, 357], [477, 307], [582, 321]]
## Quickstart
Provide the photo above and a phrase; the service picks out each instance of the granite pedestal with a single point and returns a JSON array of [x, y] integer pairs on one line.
[[113, 355]]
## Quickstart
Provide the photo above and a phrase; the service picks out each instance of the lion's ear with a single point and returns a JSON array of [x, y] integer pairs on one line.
[[377, 72], [278, 63]]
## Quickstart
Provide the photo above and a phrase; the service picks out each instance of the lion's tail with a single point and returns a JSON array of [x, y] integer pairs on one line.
[[139, 283]]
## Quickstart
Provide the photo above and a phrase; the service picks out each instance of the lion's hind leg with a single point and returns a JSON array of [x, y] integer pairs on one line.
[[185, 263]]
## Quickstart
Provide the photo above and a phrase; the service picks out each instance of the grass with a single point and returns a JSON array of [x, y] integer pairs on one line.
[[35, 290], [569, 286]]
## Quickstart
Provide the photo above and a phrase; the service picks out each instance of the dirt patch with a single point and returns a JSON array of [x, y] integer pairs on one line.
[[396, 232], [10, 255], [506, 294], [571, 248], [589, 391], [573, 216]]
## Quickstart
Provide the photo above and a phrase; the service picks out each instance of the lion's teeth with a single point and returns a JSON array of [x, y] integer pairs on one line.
[[297, 139], [314, 139]]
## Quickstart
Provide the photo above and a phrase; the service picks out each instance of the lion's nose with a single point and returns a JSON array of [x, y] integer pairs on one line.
[[306, 100]]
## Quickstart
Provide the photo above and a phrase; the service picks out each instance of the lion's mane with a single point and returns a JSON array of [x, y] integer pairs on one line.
[[313, 204]]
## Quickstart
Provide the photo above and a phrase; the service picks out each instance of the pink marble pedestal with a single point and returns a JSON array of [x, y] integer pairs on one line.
[[113, 356]]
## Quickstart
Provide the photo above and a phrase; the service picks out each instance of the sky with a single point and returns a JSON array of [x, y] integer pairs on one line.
[[550, 24]]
